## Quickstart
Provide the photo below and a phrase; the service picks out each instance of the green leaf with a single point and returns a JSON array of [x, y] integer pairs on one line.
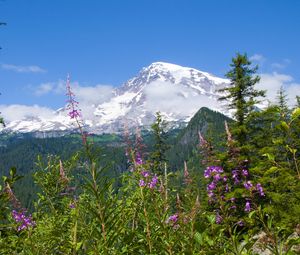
[[78, 245], [269, 156], [284, 125], [296, 113], [198, 238], [292, 150], [12, 171], [271, 170], [250, 215]]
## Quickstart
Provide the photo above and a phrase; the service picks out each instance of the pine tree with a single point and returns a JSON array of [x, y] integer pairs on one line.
[[282, 104], [241, 95], [1, 119], [298, 101], [158, 156]]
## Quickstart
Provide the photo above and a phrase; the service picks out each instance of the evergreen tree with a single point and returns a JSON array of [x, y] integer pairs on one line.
[[1, 120], [298, 101], [158, 156], [241, 95], [282, 103]]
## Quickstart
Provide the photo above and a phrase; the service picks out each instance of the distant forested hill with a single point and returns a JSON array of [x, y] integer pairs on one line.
[[21, 151]]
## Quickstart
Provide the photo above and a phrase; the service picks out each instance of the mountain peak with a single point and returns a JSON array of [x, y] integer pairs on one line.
[[176, 91], [164, 65]]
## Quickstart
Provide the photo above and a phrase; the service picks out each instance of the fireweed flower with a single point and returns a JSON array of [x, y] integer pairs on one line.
[[142, 183], [138, 159], [217, 177], [240, 223], [24, 221], [173, 218], [245, 173], [219, 219], [235, 176], [248, 185], [72, 106], [211, 186], [153, 182], [247, 207], [145, 174], [212, 170], [260, 189]]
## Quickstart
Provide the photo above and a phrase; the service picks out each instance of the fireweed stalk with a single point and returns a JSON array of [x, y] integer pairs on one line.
[[75, 114]]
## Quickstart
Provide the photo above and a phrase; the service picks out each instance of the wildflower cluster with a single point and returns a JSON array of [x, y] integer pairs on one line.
[[24, 222], [148, 180], [220, 186]]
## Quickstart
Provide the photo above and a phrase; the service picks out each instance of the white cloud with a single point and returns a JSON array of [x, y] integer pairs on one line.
[[281, 65], [43, 89], [171, 98], [272, 83], [23, 69], [87, 96], [257, 58], [18, 112], [277, 66], [92, 94]]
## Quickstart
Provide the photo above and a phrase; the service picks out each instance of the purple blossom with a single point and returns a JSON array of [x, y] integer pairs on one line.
[[153, 182], [210, 193], [142, 183], [72, 105], [21, 218], [211, 186], [260, 189], [248, 206], [226, 188], [233, 207], [235, 176], [145, 174], [234, 173], [74, 114], [219, 219], [72, 206], [217, 177], [173, 218], [138, 159], [240, 223], [212, 170], [245, 173], [248, 185]]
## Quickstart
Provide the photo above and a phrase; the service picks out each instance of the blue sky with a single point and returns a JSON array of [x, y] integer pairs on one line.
[[106, 42]]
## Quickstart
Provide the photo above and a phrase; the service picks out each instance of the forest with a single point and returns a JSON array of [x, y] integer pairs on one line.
[[217, 186]]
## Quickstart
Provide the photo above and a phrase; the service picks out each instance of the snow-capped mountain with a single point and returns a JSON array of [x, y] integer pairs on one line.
[[177, 92]]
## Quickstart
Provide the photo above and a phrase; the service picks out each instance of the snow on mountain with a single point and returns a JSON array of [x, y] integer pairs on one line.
[[177, 92]]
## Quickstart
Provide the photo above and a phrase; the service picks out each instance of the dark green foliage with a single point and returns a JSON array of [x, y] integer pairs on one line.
[[22, 153], [241, 95], [274, 161], [298, 101], [282, 104], [158, 155], [210, 124]]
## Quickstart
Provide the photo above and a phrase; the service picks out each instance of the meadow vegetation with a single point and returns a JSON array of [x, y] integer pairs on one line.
[[241, 197]]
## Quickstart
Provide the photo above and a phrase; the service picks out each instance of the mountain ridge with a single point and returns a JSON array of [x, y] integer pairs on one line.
[[176, 91]]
